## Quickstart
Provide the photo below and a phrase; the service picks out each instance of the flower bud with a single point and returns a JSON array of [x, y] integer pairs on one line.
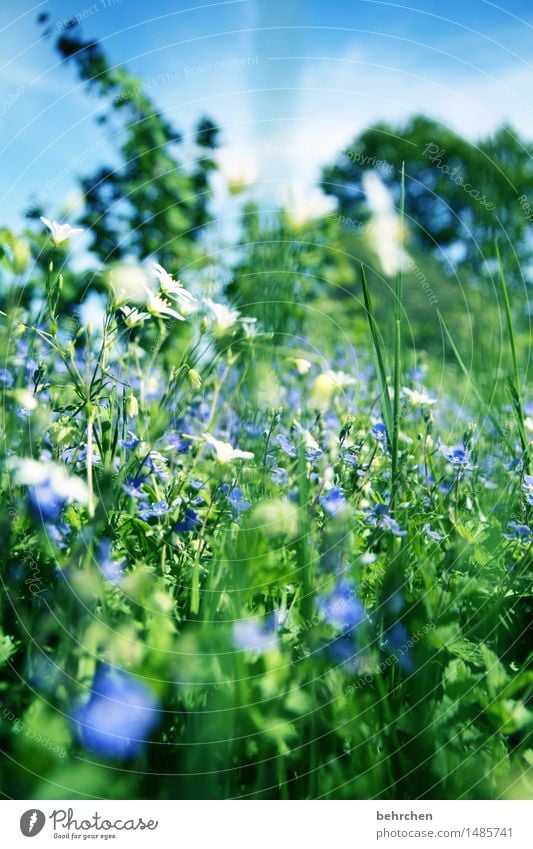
[[132, 406], [194, 378]]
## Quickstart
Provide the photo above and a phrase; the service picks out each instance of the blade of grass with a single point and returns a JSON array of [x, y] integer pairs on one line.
[[379, 352], [397, 354], [467, 373], [516, 397]]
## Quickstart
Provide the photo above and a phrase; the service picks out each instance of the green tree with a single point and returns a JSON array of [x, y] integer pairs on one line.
[[460, 196], [148, 203]]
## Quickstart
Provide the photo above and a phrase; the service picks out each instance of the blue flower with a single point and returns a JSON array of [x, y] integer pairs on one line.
[[190, 522], [110, 568], [131, 442], [133, 487], [286, 445], [520, 533], [6, 378], [458, 457], [333, 502], [158, 508], [235, 498], [432, 534], [528, 487], [341, 608], [119, 715], [379, 432], [396, 641], [254, 635], [279, 476], [392, 525]]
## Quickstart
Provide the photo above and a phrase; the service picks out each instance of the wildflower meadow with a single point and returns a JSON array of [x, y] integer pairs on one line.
[[266, 489]]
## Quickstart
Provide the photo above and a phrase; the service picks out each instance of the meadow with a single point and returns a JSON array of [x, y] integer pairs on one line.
[[266, 506]]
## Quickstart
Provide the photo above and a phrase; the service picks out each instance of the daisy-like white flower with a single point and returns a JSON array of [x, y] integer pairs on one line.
[[385, 229], [173, 288], [302, 365], [133, 317], [60, 232], [237, 169], [418, 399], [225, 452], [160, 307], [305, 205], [222, 316]]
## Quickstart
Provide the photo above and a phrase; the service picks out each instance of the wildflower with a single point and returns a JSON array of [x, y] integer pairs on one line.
[[225, 453], [333, 502], [520, 533], [379, 432], [418, 399], [341, 608], [432, 534], [286, 445], [222, 316], [119, 715], [6, 378], [528, 488], [302, 366], [397, 642], [255, 636], [133, 487], [128, 282], [325, 385], [312, 449], [187, 303], [156, 509], [26, 400], [238, 171], [110, 568], [279, 476], [132, 316], [160, 307], [236, 499], [194, 378], [385, 227], [132, 406], [302, 206], [458, 457], [60, 232], [190, 522], [49, 487], [391, 525]]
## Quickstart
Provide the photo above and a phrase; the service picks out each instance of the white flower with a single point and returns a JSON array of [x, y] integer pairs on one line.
[[305, 205], [60, 232], [128, 283], [26, 399], [132, 316], [225, 452], [325, 385], [30, 472], [418, 399], [160, 307], [238, 171], [302, 366], [385, 229], [187, 303], [223, 317]]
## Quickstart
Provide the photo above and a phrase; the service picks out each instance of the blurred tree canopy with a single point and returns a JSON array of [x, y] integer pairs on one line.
[[149, 202], [460, 196]]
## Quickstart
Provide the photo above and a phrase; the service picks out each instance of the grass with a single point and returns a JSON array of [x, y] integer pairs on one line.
[[303, 609]]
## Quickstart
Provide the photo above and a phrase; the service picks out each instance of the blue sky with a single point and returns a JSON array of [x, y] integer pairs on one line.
[[299, 78]]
